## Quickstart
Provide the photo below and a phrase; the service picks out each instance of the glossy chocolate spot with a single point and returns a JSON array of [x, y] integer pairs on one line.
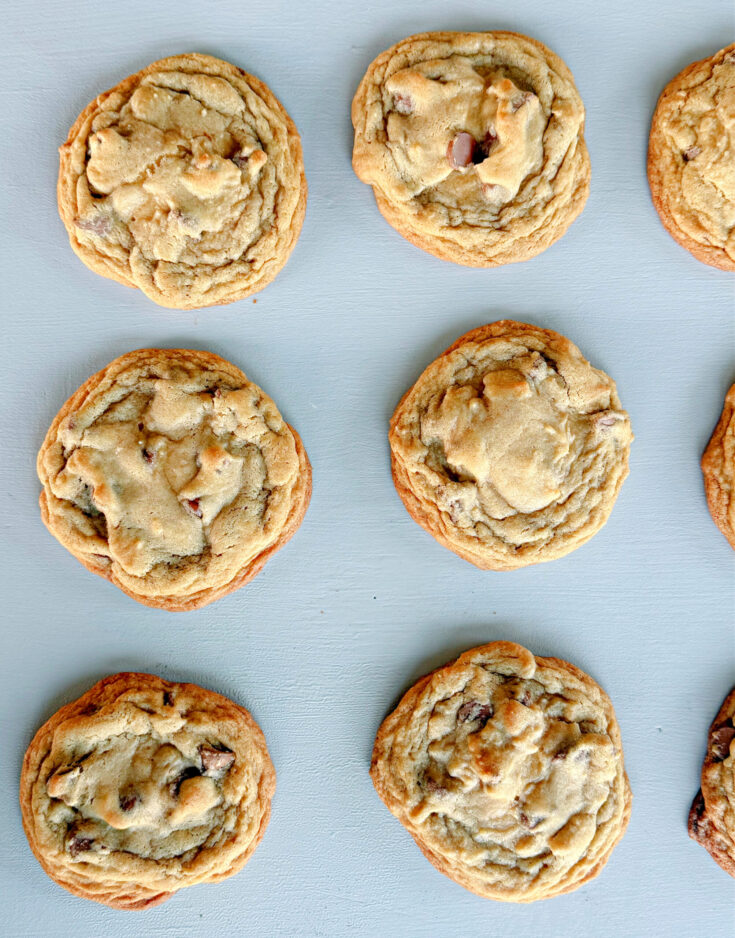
[[691, 154], [128, 801], [192, 505], [475, 711], [720, 742], [215, 760], [78, 844], [461, 150]]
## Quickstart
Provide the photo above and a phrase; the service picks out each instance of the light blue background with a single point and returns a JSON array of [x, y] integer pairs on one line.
[[362, 601]]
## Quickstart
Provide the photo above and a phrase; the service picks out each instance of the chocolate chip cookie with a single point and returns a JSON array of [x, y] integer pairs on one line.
[[691, 159], [718, 469], [511, 448], [507, 770], [712, 817], [173, 476], [186, 180], [143, 787], [473, 144]]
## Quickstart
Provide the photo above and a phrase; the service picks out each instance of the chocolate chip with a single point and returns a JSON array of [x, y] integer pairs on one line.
[[482, 150], [192, 505], [475, 711], [403, 103], [78, 844], [148, 456], [461, 150], [720, 743], [215, 760], [559, 756], [98, 224], [175, 785], [431, 779], [697, 817], [128, 801], [691, 154]]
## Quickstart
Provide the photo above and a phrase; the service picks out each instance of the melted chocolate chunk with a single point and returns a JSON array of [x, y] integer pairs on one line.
[[720, 742], [475, 711], [215, 760], [78, 844]]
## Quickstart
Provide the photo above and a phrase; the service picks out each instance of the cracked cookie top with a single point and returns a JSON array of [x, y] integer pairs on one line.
[[473, 144], [172, 475], [510, 448], [508, 772], [142, 787], [712, 817], [186, 180], [718, 469], [691, 159]]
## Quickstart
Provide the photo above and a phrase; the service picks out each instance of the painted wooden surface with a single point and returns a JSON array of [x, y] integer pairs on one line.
[[362, 602]]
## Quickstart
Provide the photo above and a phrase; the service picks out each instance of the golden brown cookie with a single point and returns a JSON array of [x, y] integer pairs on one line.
[[507, 770], [143, 787], [185, 180], [712, 817], [173, 476], [718, 469], [511, 448], [691, 159], [473, 144]]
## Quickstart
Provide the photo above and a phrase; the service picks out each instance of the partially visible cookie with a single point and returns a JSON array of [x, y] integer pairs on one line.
[[143, 787], [712, 817], [173, 476], [507, 770], [186, 180], [510, 449], [691, 159], [718, 469], [473, 144]]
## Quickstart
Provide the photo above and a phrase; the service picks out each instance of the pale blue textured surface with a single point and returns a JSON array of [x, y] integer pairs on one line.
[[362, 602]]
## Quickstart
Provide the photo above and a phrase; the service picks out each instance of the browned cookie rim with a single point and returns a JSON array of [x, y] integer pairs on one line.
[[707, 254], [106, 266], [430, 520], [702, 825], [712, 459], [136, 897], [209, 594], [386, 728], [520, 249]]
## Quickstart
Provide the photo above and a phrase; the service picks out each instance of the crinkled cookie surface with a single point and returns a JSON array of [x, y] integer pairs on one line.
[[718, 469], [691, 159], [511, 448], [473, 144], [173, 476], [712, 817], [508, 772], [142, 787], [185, 180]]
